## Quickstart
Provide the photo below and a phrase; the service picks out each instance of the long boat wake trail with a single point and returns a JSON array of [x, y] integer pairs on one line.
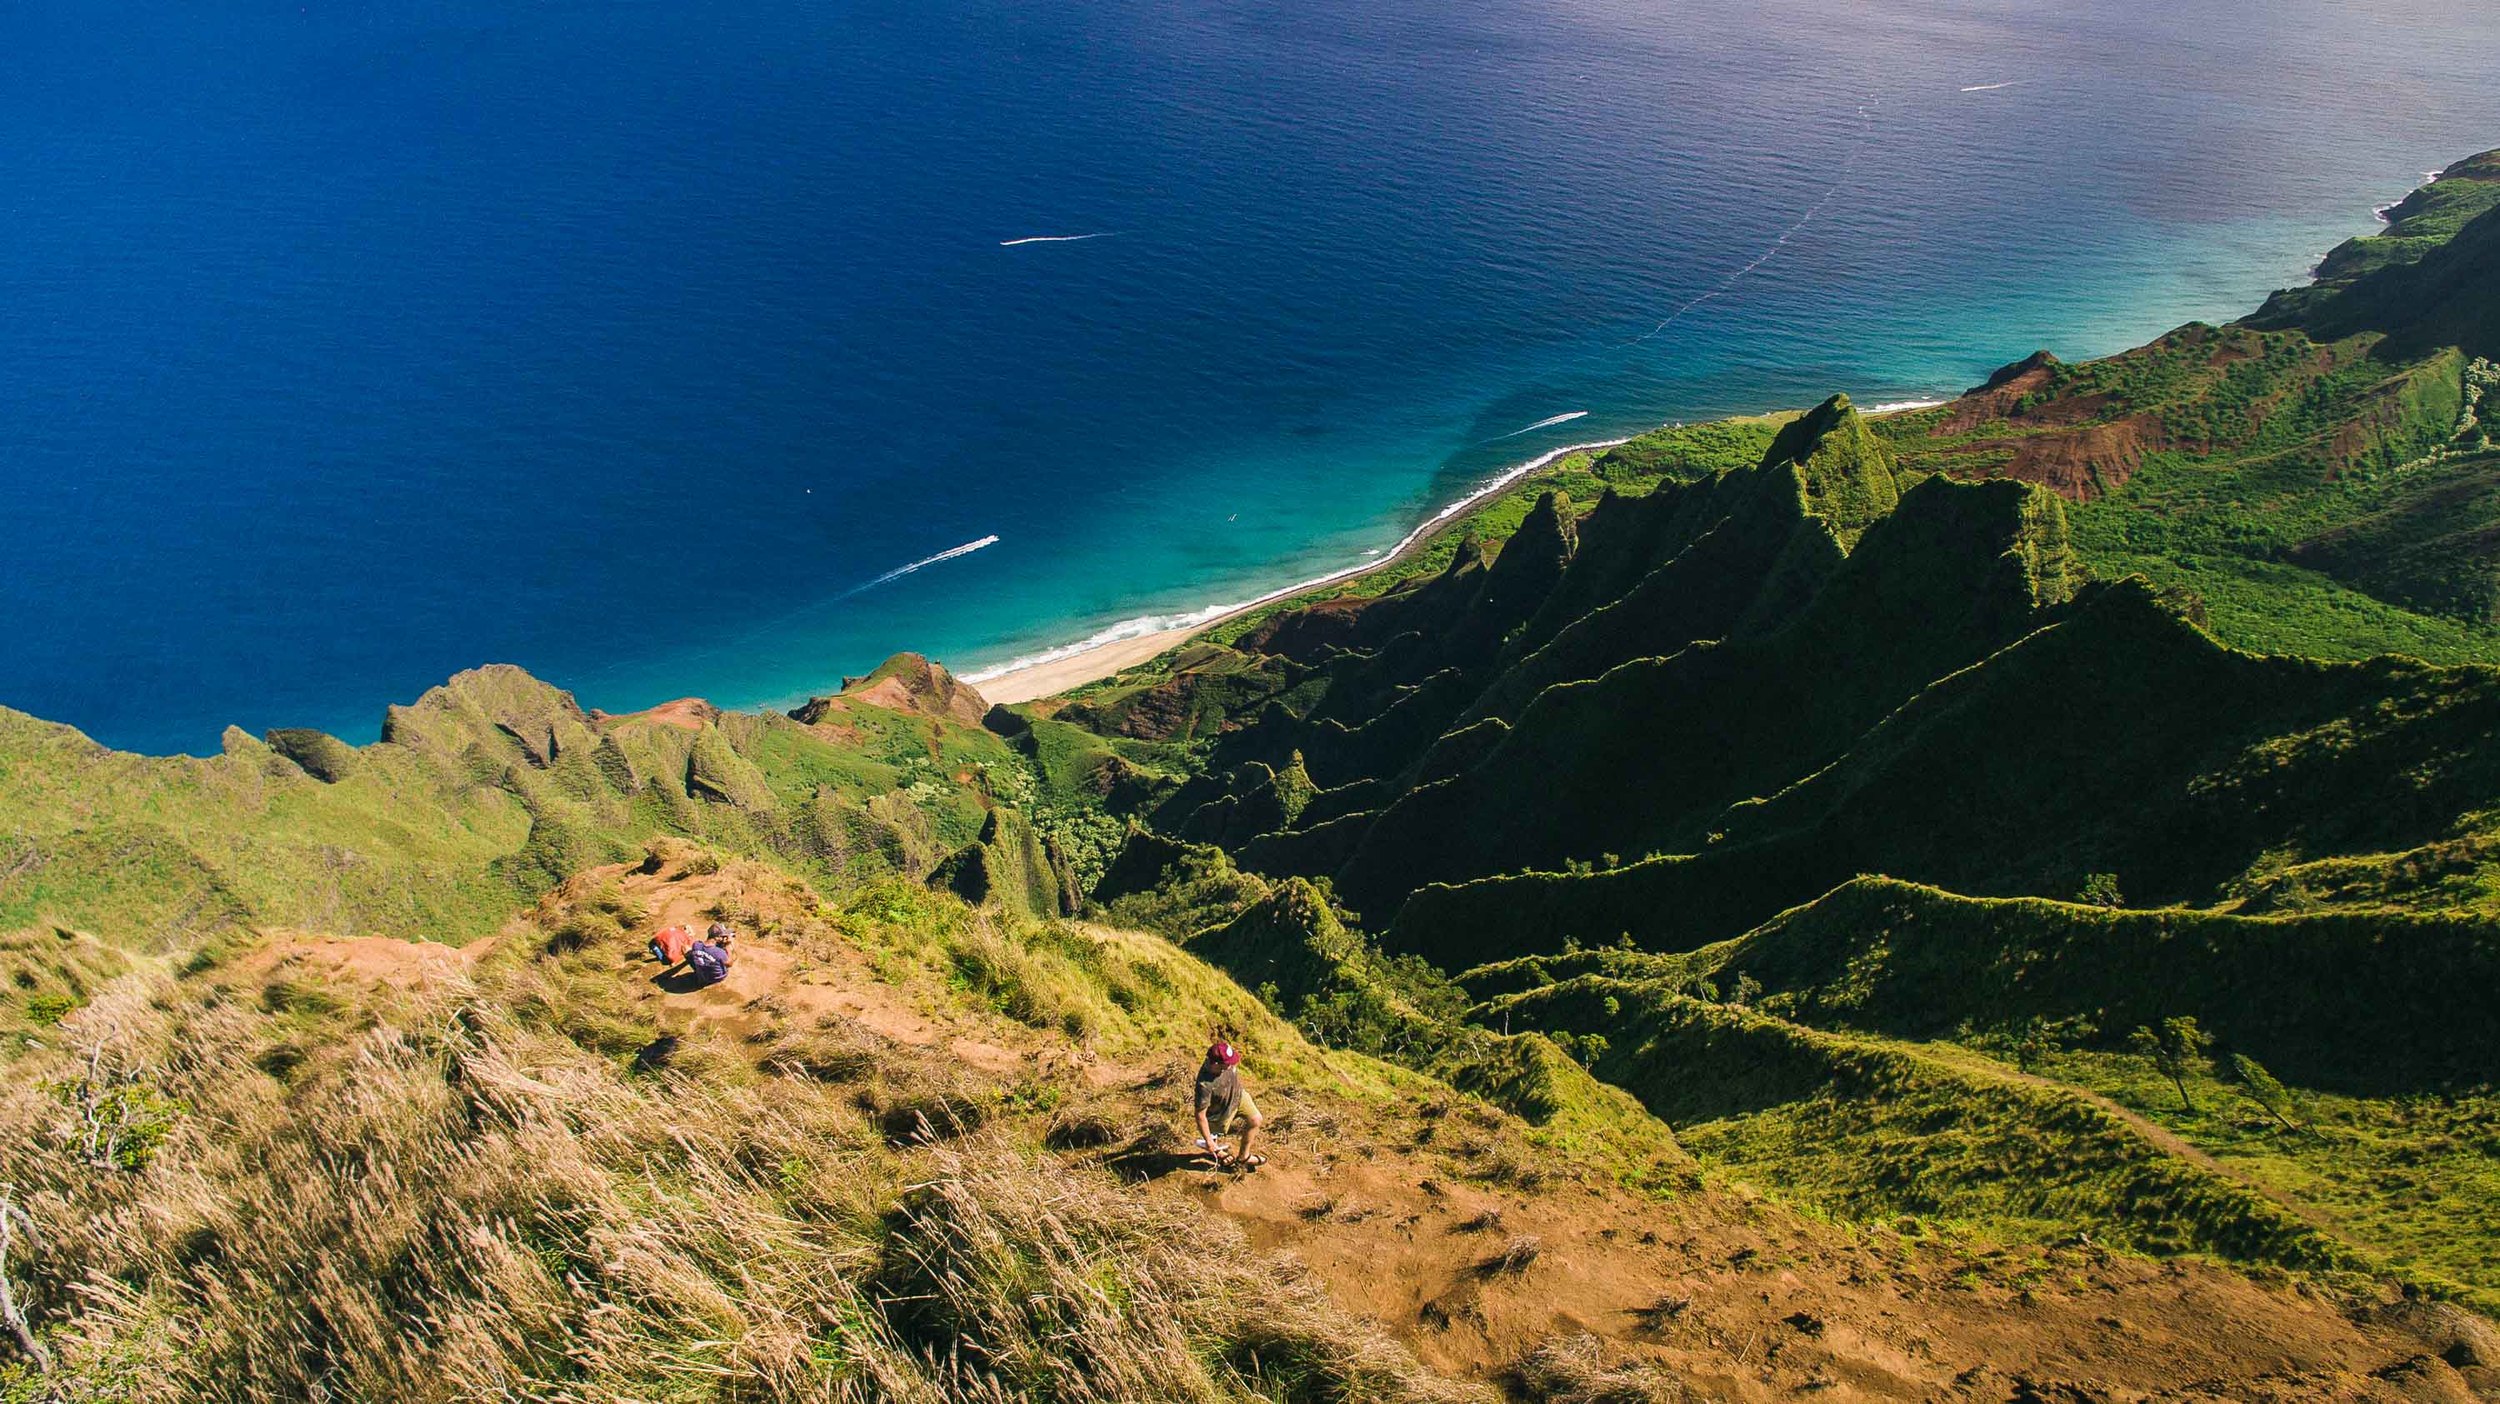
[[1866, 133], [1540, 424], [900, 571], [1056, 239]]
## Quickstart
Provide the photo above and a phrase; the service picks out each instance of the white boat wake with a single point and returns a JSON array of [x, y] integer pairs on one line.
[[1866, 133], [924, 562], [1056, 239], [1991, 87], [1541, 424]]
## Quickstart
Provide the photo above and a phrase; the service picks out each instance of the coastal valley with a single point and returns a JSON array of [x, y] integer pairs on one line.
[[1997, 901]]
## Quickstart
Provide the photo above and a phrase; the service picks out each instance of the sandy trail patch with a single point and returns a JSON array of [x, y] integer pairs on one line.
[[1745, 1300], [842, 984]]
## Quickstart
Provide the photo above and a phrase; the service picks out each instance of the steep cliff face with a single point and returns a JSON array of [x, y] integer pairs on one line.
[[2430, 279], [1846, 472], [1611, 680]]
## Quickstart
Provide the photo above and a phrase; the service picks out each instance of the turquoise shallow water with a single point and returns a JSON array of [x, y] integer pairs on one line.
[[348, 346]]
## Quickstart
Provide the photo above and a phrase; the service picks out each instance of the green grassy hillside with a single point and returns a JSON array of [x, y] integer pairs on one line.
[[2369, 1112], [527, 1175], [1874, 1129], [2364, 1002], [1859, 793], [2065, 816], [2315, 474], [480, 795]]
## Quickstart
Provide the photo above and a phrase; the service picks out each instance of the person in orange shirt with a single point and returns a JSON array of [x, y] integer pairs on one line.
[[670, 946]]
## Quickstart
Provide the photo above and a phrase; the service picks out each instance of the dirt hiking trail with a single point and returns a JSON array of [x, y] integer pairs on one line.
[[1391, 1204]]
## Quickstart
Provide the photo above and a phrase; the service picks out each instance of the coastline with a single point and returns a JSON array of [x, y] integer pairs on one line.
[[1117, 648], [1105, 653], [1124, 645]]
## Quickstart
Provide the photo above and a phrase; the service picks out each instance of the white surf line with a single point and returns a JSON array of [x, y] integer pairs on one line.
[[1145, 624], [1056, 239], [1540, 424], [1866, 132], [1901, 406], [2429, 179], [1992, 87], [924, 562]]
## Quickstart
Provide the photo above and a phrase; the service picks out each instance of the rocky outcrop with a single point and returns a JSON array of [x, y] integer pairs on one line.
[[906, 682], [2002, 395], [1847, 471]]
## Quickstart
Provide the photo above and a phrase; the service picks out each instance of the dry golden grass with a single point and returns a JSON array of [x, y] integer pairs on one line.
[[445, 1195], [1582, 1370]]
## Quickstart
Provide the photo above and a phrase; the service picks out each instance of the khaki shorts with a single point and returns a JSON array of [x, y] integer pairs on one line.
[[1221, 1120]]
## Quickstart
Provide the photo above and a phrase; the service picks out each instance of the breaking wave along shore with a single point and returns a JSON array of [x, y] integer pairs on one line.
[[1141, 626]]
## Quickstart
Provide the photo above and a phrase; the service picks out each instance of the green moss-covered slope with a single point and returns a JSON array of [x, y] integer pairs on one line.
[[481, 794]]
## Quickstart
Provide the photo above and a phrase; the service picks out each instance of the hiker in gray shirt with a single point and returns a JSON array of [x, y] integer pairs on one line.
[[1221, 1098]]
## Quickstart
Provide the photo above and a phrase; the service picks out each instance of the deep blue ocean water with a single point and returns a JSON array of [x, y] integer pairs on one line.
[[343, 346]]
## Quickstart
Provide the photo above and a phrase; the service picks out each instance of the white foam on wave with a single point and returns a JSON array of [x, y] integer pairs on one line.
[[1145, 624], [2429, 179], [923, 563], [1544, 424], [1055, 239], [1897, 406], [1992, 87]]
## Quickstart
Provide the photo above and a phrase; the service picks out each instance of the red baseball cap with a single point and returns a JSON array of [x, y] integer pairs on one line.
[[1224, 1053]]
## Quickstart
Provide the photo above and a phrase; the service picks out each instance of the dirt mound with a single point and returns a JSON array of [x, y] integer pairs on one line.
[[685, 713], [363, 961], [2078, 464], [2065, 442]]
